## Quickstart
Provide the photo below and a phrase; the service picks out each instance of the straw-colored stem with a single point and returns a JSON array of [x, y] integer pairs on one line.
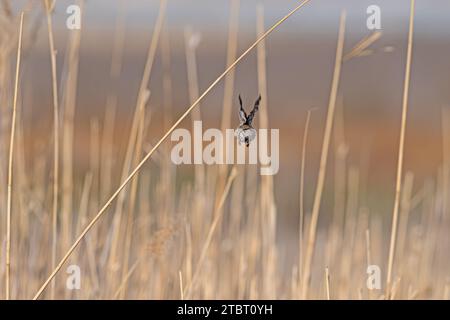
[[267, 202], [10, 165], [111, 102], [55, 136], [233, 28], [168, 172], [180, 276], [69, 96], [404, 214], [323, 159], [398, 184], [302, 194], [142, 99], [193, 88], [156, 146], [368, 248], [190, 45], [132, 206], [445, 158], [361, 46], [327, 282], [125, 280]]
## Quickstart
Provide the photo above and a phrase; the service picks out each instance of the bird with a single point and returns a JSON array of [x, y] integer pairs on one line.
[[245, 132]]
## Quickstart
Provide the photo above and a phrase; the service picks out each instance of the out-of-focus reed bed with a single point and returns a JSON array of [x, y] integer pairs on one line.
[[209, 232]]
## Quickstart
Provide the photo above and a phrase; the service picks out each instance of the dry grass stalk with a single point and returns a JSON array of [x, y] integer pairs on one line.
[[168, 174], [124, 280], [233, 28], [132, 205], [180, 275], [232, 44], [132, 146], [10, 164], [48, 7], [302, 196], [404, 214], [267, 201], [106, 170], [192, 40], [323, 159], [445, 158], [327, 283], [398, 184], [69, 96], [360, 49], [341, 150]]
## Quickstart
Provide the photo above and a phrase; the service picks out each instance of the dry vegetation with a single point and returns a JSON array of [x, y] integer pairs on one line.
[[161, 236]]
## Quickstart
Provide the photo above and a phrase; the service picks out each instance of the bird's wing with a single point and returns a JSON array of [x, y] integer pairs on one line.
[[255, 109]]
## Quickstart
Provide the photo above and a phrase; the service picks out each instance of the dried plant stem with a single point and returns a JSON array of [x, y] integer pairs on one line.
[[10, 165], [69, 98], [302, 194], [168, 171], [445, 123], [112, 101], [180, 276], [125, 280], [48, 7], [155, 147], [368, 248], [327, 282], [193, 88], [323, 159], [142, 99], [400, 152], [190, 44], [233, 28], [132, 206], [267, 202], [361, 46]]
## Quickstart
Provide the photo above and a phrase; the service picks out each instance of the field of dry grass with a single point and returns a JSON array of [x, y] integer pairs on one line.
[[140, 227]]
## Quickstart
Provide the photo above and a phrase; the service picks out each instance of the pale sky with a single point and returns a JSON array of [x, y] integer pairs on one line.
[[319, 16]]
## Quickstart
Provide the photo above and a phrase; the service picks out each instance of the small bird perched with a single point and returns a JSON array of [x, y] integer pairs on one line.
[[245, 132]]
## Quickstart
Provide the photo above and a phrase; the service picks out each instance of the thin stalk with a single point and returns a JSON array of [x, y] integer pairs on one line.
[[398, 184], [10, 165], [302, 194], [48, 7], [324, 156]]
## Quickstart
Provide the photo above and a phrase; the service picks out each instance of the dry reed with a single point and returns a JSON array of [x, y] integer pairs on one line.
[[48, 7], [323, 159], [10, 164], [398, 184]]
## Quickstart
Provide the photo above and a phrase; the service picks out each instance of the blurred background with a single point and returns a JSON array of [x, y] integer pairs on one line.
[[299, 58]]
